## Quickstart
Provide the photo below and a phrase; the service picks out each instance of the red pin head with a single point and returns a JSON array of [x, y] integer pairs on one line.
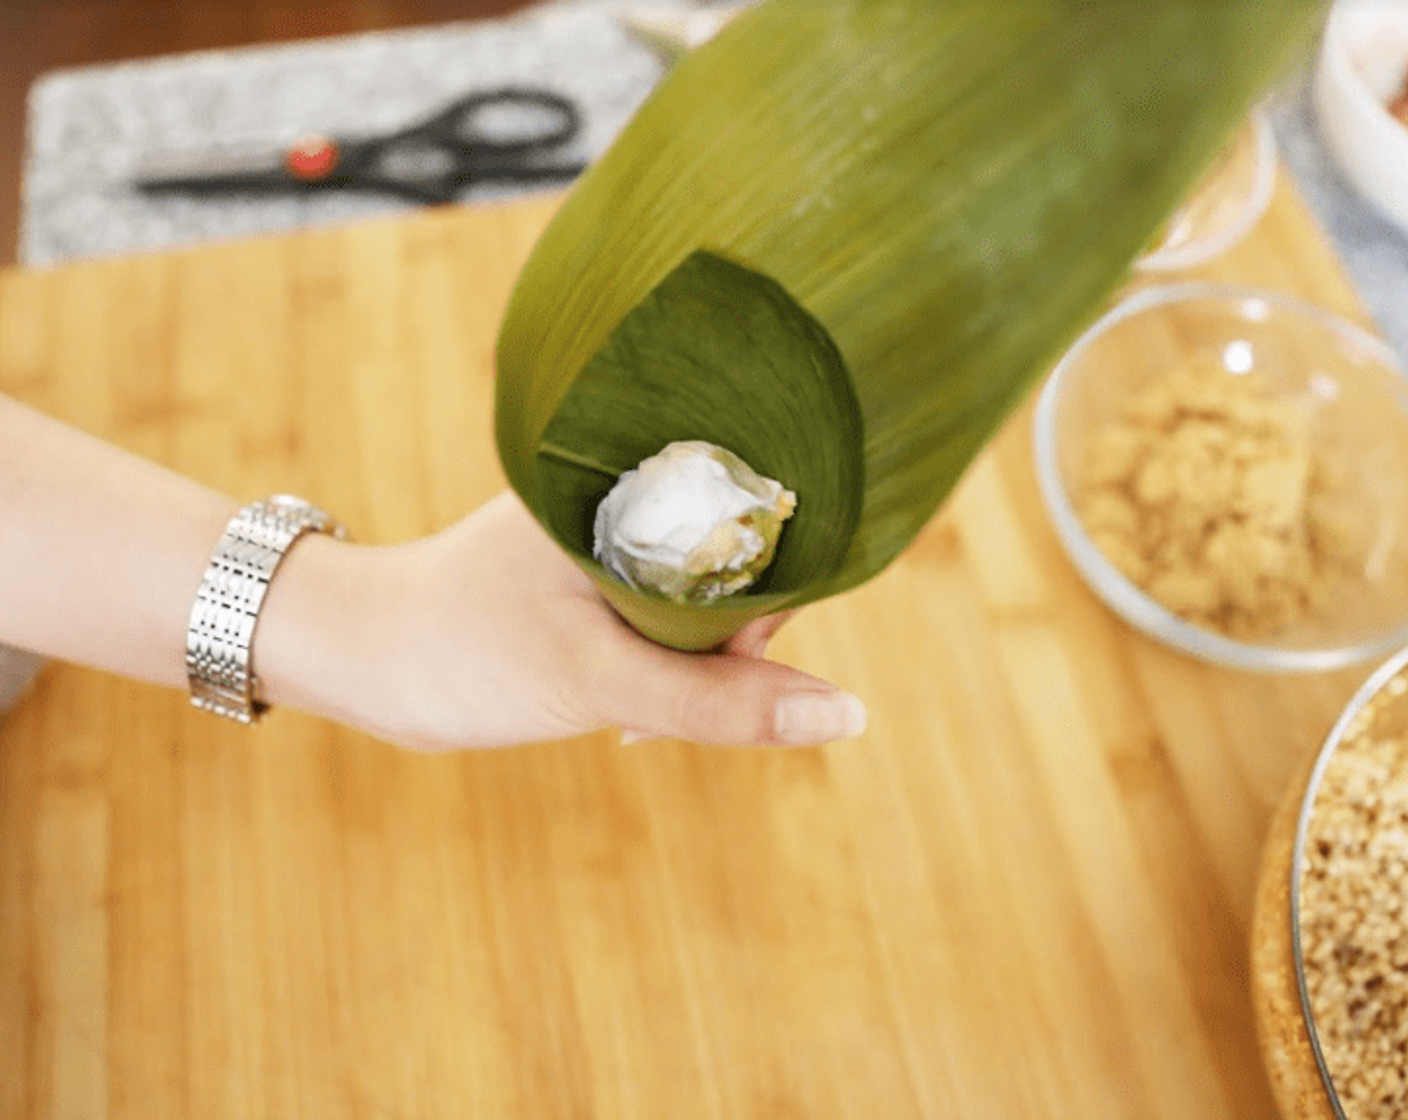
[[311, 159]]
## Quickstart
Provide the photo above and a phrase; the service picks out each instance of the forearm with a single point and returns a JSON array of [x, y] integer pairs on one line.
[[101, 551], [485, 634]]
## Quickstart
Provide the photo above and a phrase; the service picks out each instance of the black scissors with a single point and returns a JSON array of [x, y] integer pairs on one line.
[[503, 135]]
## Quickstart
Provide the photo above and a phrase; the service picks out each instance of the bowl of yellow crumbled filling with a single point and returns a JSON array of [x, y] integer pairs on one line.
[[1228, 470]]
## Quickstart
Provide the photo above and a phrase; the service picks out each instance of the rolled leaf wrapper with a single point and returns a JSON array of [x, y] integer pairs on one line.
[[842, 239]]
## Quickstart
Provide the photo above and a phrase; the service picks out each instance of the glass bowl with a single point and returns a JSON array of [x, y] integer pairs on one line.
[[1226, 204], [1317, 947], [1350, 396]]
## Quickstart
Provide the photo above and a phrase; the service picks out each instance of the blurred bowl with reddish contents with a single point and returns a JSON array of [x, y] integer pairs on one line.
[[1361, 99]]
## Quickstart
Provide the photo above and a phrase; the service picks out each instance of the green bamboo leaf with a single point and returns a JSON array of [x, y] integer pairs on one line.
[[946, 189], [720, 353]]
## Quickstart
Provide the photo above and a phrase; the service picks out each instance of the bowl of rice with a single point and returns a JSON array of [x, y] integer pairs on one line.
[[1330, 930]]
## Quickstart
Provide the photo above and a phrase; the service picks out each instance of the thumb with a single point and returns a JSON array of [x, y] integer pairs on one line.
[[752, 640], [723, 698]]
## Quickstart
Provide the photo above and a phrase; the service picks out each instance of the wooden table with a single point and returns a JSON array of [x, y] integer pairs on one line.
[[1024, 893]]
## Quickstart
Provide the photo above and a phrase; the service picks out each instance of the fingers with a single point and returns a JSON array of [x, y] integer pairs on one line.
[[613, 676], [753, 639], [721, 698]]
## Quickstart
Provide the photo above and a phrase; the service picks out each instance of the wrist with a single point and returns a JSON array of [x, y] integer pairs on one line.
[[308, 649]]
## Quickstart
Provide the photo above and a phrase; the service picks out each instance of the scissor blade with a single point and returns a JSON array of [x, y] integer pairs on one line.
[[187, 170]]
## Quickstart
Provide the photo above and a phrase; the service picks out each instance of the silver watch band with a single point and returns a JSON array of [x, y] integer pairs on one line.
[[220, 634]]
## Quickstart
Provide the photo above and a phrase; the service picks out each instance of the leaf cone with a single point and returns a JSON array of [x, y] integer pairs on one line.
[[931, 197]]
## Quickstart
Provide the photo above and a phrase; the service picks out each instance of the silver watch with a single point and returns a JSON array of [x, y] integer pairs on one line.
[[220, 634]]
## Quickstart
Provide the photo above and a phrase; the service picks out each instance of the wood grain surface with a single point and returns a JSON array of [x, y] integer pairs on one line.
[[1025, 892]]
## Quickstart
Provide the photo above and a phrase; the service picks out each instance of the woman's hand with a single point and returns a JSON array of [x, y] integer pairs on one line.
[[488, 635], [483, 635]]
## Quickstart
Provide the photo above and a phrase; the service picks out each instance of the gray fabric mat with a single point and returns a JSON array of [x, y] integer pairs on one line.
[[89, 130], [17, 672]]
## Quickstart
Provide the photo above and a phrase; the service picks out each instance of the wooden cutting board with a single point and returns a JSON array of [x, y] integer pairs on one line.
[[1024, 893]]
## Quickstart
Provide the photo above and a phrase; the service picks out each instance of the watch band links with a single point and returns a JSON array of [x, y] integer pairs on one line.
[[220, 633]]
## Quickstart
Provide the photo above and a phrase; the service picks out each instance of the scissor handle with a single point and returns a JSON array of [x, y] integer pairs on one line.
[[462, 143], [537, 119]]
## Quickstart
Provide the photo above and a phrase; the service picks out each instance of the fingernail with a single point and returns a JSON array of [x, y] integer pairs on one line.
[[804, 718]]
